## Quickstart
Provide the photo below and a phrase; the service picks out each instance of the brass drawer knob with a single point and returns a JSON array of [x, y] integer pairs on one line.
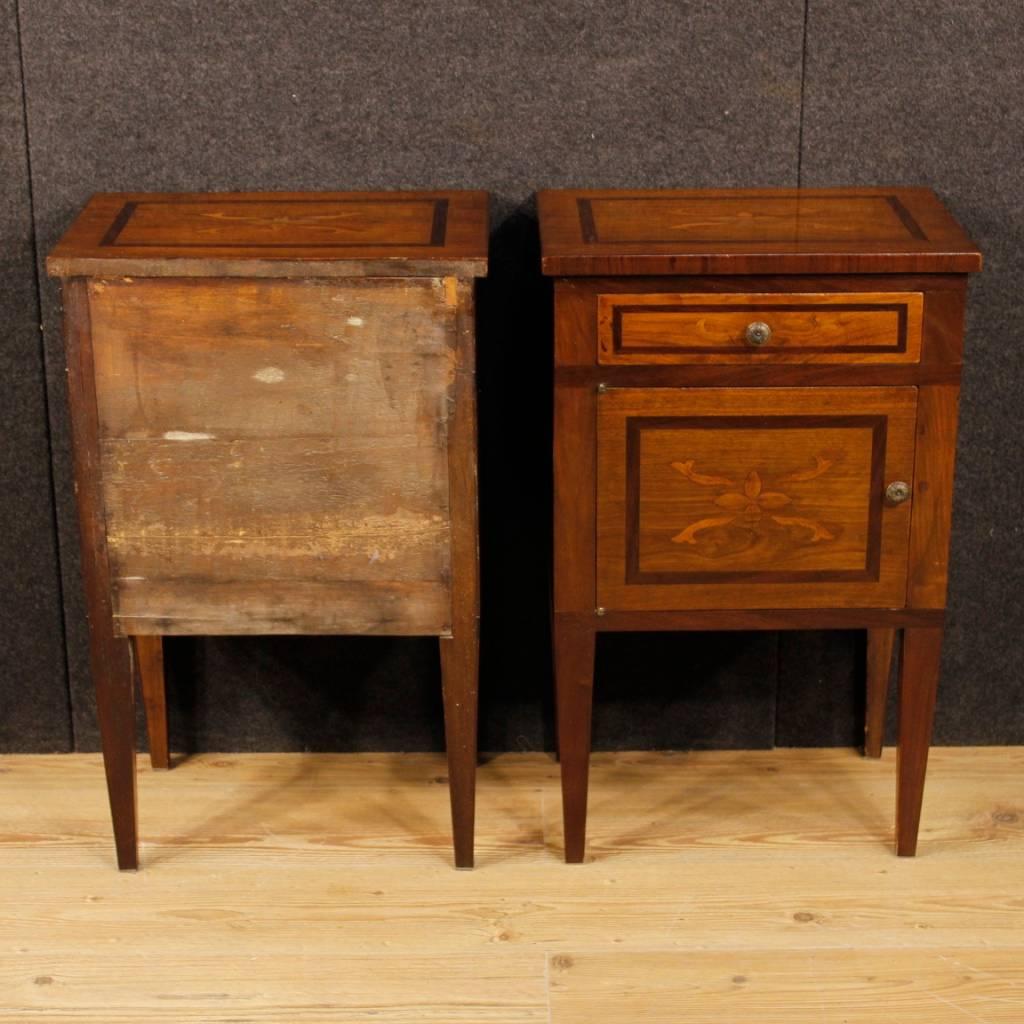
[[897, 492], [758, 333]]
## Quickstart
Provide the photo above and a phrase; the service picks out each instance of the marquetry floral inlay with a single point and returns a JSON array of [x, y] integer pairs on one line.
[[751, 501]]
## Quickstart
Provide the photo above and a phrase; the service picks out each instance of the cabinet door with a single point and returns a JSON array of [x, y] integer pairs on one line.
[[753, 497]]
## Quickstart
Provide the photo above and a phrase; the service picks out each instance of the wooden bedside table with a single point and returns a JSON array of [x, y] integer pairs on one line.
[[755, 426], [273, 408]]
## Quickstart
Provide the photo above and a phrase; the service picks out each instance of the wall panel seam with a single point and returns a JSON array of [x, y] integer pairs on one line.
[[34, 240], [803, 84]]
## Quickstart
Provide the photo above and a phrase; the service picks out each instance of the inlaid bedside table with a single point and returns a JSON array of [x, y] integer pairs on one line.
[[273, 408], [755, 425]]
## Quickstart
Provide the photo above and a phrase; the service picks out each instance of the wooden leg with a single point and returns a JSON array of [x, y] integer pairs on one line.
[[109, 655], [919, 678], [554, 668], [115, 708], [149, 664], [879, 668], [574, 691], [459, 669], [460, 653]]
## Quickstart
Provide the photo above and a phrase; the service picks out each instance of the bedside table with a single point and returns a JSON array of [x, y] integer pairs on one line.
[[755, 425], [273, 409]]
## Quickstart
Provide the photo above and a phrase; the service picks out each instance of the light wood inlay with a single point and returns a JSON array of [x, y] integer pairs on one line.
[[276, 234], [751, 231], [678, 328], [273, 223], [752, 498], [759, 365], [273, 401]]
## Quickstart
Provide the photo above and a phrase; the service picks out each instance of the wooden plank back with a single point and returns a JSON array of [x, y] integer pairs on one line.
[[286, 431]]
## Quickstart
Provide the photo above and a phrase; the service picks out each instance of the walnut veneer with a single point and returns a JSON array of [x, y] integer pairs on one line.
[[273, 408], [755, 425]]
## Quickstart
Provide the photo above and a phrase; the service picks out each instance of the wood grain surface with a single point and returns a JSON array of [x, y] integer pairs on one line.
[[148, 656], [746, 498], [285, 431], [276, 234], [878, 669], [677, 328], [319, 888], [110, 659], [938, 413], [751, 231], [824, 986]]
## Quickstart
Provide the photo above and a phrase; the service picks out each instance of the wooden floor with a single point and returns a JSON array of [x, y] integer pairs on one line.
[[720, 887]]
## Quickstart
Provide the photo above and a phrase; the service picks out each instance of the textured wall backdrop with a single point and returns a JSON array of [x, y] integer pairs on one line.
[[108, 95]]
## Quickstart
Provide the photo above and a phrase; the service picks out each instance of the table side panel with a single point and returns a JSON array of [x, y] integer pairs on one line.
[[574, 455], [938, 409]]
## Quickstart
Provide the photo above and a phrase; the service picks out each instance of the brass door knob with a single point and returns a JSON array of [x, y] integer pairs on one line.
[[897, 492], [758, 333]]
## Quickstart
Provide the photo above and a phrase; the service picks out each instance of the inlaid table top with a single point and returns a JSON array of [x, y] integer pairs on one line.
[[277, 234], [751, 231]]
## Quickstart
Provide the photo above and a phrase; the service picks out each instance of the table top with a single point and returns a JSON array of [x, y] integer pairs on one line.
[[751, 231], [276, 234]]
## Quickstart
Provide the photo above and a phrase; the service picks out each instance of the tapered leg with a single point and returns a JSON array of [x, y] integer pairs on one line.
[[459, 667], [460, 653], [879, 668], [115, 709], [574, 691], [149, 664], [109, 655], [919, 678]]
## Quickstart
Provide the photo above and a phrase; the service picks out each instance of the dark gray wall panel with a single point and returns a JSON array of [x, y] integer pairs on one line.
[[33, 688], [821, 689], [509, 97], [931, 92]]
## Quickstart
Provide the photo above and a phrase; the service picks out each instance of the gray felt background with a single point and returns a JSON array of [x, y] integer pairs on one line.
[[305, 94]]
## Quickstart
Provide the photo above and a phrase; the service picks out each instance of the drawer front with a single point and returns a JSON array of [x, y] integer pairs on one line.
[[753, 498], [274, 453], [852, 327]]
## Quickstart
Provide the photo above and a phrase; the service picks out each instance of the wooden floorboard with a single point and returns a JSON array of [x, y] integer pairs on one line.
[[319, 888]]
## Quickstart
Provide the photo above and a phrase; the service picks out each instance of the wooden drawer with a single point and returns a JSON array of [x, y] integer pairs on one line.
[[753, 498], [854, 327]]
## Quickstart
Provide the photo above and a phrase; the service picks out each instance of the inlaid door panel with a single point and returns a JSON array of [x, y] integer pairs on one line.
[[753, 498]]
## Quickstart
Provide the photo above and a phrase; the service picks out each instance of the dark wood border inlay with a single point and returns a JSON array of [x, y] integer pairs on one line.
[[117, 224], [635, 425], [907, 218], [438, 226], [588, 225], [899, 308], [755, 618]]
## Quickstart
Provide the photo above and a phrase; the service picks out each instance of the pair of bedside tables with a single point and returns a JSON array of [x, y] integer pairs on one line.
[[273, 408]]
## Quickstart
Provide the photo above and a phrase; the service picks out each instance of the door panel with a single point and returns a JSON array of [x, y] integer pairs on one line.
[[753, 498]]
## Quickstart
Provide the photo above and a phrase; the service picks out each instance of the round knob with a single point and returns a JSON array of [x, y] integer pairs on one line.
[[758, 333], [897, 492]]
